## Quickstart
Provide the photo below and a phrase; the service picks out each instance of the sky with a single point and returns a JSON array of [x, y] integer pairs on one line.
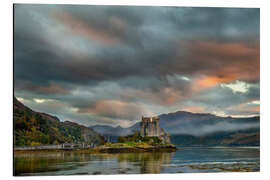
[[113, 64]]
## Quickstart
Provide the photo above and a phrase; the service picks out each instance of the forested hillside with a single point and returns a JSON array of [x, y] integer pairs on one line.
[[35, 128]]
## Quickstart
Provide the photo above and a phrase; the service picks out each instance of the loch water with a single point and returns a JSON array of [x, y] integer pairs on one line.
[[184, 160]]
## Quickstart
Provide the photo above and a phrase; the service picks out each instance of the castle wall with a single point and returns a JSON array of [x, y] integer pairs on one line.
[[150, 127]]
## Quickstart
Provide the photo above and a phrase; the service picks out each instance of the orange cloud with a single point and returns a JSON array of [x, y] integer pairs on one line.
[[214, 62], [80, 27], [51, 89], [195, 109], [223, 59], [208, 81], [235, 49], [255, 109], [171, 96], [166, 96], [115, 109], [205, 82]]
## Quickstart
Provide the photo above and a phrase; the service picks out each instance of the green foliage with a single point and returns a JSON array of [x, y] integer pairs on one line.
[[20, 142], [126, 144], [55, 142], [153, 140], [33, 143], [32, 128], [121, 139], [131, 139]]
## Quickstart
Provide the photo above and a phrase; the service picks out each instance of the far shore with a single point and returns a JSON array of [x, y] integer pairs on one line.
[[102, 149]]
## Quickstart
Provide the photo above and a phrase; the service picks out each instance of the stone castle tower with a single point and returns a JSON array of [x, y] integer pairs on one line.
[[150, 127]]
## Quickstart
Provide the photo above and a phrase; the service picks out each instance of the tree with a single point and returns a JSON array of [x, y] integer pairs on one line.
[[121, 139], [55, 142], [20, 142]]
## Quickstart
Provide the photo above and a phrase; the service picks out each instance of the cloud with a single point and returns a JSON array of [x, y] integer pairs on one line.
[[244, 109], [50, 88], [115, 109], [165, 96], [238, 86], [42, 100], [147, 59], [195, 109], [79, 27], [256, 102], [107, 63], [222, 61]]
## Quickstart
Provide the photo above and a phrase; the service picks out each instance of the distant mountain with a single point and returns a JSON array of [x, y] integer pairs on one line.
[[188, 129], [111, 133], [201, 124], [249, 137], [34, 128]]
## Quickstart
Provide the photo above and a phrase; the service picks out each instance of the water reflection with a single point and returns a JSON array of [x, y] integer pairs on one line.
[[193, 159], [148, 162], [51, 163]]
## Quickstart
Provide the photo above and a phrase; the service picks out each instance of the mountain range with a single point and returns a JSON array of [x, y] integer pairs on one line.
[[198, 129], [186, 129]]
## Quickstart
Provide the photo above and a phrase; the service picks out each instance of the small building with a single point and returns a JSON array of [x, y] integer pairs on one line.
[[150, 128]]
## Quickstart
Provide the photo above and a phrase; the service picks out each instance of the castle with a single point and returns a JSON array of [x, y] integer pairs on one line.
[[150, 127]]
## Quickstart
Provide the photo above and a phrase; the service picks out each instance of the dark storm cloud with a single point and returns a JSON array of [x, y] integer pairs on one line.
[[222, 99], [94, 56]]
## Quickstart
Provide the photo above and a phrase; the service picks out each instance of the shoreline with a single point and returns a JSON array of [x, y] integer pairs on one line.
[[104, 149]]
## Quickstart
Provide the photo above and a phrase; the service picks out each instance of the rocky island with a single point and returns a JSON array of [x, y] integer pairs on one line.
[[150, 138]]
